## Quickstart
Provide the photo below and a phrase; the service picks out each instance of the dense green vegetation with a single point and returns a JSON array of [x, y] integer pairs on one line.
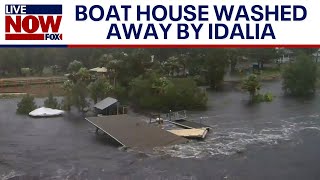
[[195, 60], [76, 90], [252, 85], [100, 89], [51, 102], [75, 66], [300, 77], [26, 105], [155, 92], [157, 78], [268, 97]]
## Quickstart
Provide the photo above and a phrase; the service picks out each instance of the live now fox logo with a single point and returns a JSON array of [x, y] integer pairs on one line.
[[33, 22]]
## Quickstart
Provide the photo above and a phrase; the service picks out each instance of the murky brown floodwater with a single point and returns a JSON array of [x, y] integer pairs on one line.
[[278, 140]]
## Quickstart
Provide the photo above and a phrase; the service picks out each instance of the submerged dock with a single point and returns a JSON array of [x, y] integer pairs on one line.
[[135, 133]]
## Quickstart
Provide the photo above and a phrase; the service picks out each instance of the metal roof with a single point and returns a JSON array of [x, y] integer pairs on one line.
[[105, 103]]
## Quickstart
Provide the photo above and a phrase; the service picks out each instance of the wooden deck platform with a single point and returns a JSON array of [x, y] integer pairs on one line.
[[134, 133], [190, 133], [189, 124]]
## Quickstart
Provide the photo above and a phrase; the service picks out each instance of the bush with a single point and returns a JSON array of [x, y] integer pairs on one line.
[[51, 102], [200, 80], [76, 93], [121, 94], [75, 66], [160, 93], [100, 89], [252, 85], [268, 97], [258, 98], [299, 78], [26, 105]]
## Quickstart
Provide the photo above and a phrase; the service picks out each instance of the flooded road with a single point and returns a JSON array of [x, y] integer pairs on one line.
[[277, 140]]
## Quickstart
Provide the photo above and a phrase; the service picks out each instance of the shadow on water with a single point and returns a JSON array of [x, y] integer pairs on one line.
[[100, 137], [105, 139]]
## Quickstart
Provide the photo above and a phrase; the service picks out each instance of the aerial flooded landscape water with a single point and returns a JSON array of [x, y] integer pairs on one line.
[[143, 90], [278, 140]]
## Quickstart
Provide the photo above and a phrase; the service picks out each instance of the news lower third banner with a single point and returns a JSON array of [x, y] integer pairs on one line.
[[165, 23]]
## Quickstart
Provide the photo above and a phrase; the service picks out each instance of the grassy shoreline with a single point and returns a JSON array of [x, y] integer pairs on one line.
[[35, 90]]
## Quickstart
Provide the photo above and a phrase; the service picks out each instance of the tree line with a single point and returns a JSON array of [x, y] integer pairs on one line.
[[153, 78], [130, 63]]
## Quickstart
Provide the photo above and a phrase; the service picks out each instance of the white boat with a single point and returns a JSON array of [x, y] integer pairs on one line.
[[46, 112]]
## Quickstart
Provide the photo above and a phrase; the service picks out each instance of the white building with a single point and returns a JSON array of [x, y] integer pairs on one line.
[[287, 56]]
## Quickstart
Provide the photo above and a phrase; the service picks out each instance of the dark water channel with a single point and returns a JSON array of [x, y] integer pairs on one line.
[[278, 140]]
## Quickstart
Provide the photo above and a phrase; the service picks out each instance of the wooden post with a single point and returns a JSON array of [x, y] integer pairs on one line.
[[159, 120], [117, 108]]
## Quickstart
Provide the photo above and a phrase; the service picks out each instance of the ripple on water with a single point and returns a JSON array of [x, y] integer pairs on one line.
[[229, 141], [11, 175]]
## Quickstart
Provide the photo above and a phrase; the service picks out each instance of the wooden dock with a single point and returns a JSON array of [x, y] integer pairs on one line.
[[179, 118], [190, 133], [190, 124], [135, 133]]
